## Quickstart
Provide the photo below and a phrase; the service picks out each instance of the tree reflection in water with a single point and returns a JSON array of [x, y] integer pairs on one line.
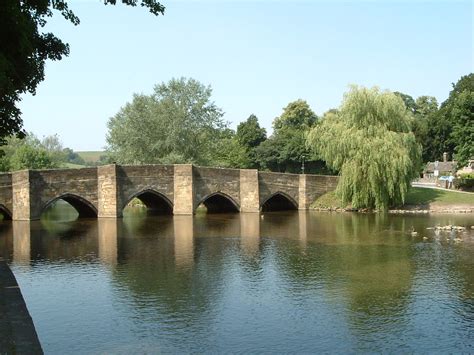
[[298, 280]]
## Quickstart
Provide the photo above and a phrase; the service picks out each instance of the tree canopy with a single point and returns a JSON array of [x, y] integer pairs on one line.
[[369, 140], [450, 129], [24, 49], [249, 136], [286, 149], [178, 123]]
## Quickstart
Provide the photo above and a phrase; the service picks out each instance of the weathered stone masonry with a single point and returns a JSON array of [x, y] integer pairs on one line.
[[179, 189]]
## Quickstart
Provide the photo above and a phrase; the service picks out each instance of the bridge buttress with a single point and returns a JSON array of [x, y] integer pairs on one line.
[[183, 189], [249, 191], [108, 206], [303, 193], [21, 196]]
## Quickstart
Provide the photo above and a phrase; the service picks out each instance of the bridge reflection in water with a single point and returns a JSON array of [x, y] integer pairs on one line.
[[56, 240], [181, 282]]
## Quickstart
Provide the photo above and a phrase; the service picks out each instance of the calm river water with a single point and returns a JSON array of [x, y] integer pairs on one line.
[[279, 282]]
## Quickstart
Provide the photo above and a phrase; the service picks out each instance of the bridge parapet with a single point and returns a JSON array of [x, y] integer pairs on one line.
[[104, 191]]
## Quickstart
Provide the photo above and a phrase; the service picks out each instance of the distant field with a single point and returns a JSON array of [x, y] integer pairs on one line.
[[91, 156]]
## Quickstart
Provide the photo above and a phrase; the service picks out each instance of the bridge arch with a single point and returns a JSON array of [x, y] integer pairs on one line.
[[5, 212], [279, 201], [155, 202], [219, 202], [84, 208]]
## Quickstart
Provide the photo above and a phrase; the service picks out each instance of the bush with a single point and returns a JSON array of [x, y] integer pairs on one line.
[[465, 182]]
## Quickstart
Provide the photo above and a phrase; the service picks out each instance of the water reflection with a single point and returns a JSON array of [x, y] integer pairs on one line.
[[22, 242], [289, 281], [107, 237]]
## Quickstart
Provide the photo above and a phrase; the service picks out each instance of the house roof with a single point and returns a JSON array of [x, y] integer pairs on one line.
[[442, 166]]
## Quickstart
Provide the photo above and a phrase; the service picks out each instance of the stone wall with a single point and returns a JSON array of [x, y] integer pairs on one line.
[[315, 186], [46, 186], [6, 195], [133, 180], [208, 181], [272, 183]]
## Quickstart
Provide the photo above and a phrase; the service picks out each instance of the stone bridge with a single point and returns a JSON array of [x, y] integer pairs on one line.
[[105, 191]]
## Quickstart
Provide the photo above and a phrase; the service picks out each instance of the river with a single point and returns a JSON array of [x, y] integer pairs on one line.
[[276, 282]]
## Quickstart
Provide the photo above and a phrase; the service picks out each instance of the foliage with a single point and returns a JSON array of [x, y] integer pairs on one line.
[[446, 126], [286, 149], [227, 152], [29, 157], [422, 109], [27, 153], [73, 157], [24, 49], [249, 136], [409, 102], [462, 119], [426, 105], [296, 114], [370, 142], [33, 153], [249, 133], [176, 124], [465, 182]]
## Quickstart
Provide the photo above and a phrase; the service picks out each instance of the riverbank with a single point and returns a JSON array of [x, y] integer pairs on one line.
[[418, 200], [17, 331]]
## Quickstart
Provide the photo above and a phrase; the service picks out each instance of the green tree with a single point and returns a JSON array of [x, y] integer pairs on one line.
[[227, 152], [24, 49], [286, 149], [409, 102], [249, 133], [426, 105], [296, 114], [33, 153], [55, 149], [176, 124], [370, 142], [249, 136], [454, 112], [462, 119], [29, 157]]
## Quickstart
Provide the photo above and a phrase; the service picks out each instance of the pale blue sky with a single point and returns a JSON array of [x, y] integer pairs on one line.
[[256, 55]]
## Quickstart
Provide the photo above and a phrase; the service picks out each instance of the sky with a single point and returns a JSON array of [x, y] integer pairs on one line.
[[257, 55]]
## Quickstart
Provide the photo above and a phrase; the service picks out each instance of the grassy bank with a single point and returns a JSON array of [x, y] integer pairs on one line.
[[425, 196], [417, 197]]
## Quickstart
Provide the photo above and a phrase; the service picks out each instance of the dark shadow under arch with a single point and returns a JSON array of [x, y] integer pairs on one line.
[[279, 201], [84, 208], [219, 202], [155, 202], [5, 212]]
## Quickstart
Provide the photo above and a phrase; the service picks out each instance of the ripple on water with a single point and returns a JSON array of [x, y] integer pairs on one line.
[[297, 283]]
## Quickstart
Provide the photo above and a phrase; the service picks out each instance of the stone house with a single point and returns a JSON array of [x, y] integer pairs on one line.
[[439, 168]]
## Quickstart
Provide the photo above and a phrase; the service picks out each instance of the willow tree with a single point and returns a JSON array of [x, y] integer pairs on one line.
[[369, 141]]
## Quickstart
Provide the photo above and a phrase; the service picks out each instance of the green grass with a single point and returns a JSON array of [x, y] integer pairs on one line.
[[328, 200], [91, 156], [424, 196], [416, 196]]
